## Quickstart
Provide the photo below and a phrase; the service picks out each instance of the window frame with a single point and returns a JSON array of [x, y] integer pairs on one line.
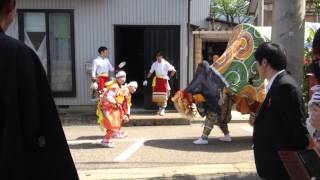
[[20, 14]]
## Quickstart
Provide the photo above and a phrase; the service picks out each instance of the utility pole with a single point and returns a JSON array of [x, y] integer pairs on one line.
[[288, 30]]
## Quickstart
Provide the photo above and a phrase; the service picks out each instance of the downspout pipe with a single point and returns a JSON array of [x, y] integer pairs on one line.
[[188, 41]]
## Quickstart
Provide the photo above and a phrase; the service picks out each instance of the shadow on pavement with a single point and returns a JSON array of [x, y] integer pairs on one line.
[[89, 137], [238, 144], [85, 146]]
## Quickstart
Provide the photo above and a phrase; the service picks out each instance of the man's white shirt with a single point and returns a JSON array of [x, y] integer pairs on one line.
[[162, 68], [100, 65], [272, 79]]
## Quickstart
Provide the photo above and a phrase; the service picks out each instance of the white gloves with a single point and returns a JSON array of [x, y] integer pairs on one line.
[[94, 86], [145, 83]]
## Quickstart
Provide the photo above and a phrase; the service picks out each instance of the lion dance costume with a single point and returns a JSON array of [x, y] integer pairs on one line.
[[238, 67]]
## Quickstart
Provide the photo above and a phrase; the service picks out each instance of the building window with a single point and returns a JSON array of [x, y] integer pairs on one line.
[[50, 33]]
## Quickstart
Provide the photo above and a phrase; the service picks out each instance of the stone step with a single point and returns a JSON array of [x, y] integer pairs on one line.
[[85, 115], [144, 119], [135, 119]]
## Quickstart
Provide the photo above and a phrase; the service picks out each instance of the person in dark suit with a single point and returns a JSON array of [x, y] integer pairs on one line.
[[279, 124], [32, 142], [314, 104]]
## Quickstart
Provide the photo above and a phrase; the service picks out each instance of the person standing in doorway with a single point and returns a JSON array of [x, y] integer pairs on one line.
[[101, 68], [32, 141], [215, 57], [212, 58], [160, 85], [279, 123]]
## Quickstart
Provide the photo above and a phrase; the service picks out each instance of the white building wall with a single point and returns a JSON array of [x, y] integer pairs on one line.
[[94, 22], [200, 9]]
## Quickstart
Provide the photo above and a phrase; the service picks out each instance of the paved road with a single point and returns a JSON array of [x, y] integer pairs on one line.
[[162, 152]]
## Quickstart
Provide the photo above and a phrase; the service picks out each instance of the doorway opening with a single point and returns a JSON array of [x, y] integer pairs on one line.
[[130, 48], [137, 46], [213, 48]]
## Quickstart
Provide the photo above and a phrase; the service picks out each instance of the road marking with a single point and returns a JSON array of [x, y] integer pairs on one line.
[[132, 149], [247, 128]]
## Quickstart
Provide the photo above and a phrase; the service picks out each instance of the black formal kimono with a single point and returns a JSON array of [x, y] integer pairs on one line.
[[279, 126], [32, 142]]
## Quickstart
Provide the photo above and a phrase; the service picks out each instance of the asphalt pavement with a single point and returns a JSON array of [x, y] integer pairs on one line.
[[163, 152]]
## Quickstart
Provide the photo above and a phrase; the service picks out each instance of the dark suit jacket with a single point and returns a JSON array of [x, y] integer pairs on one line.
[[279, 123], [32, 142]]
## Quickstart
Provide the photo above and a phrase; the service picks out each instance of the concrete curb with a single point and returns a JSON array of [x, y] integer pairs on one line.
[[151, 120], [138, 121], [139, 118], [135, 120], [211, 170]]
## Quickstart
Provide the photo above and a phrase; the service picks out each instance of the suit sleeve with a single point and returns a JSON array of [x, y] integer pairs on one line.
[[294, 115], [41, 122], [28, 95]]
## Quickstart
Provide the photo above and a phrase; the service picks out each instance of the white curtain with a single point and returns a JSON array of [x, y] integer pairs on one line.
[[60, 51]]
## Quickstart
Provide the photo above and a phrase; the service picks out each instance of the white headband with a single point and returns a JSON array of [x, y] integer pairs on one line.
[[120, 73]]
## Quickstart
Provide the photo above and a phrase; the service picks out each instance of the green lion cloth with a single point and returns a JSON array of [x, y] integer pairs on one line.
[[237, 64]]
